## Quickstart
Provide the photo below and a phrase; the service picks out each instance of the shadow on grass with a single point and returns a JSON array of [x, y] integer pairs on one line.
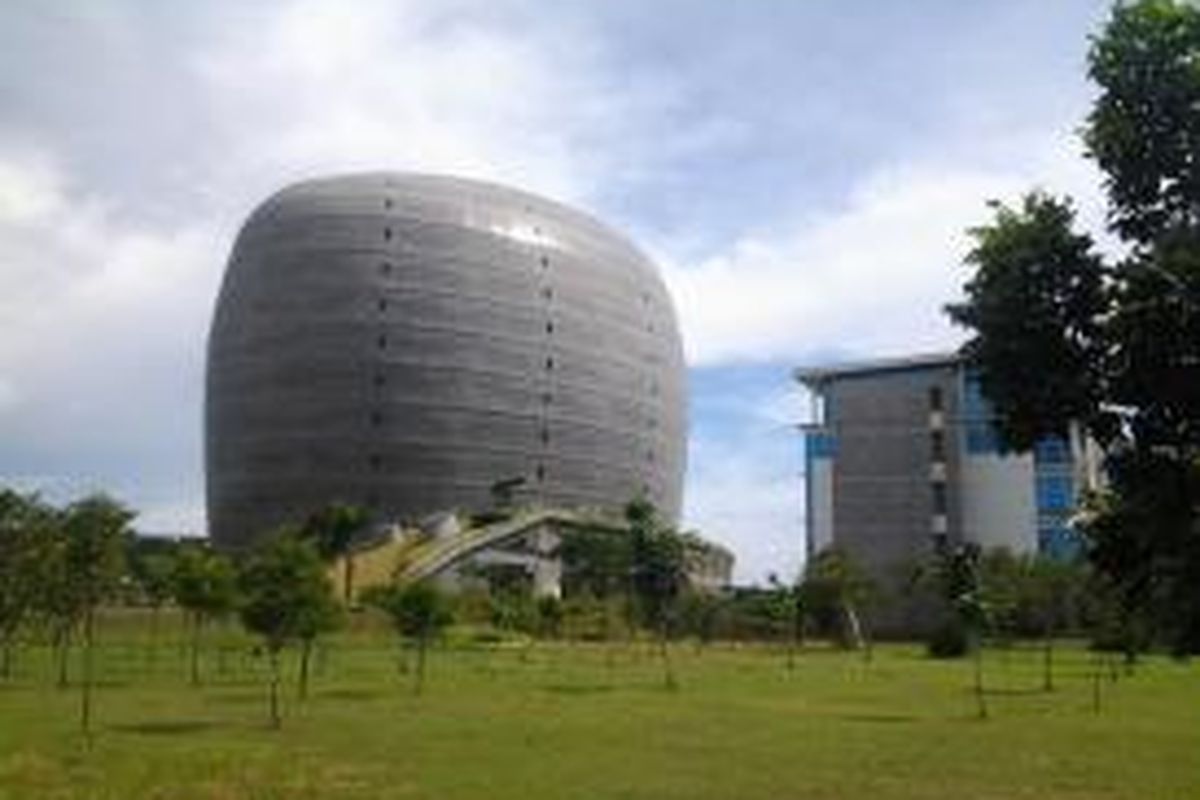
[[176, 727], [889, 718], [239, 698], [350, 694], [578, 688], [1011, 692]]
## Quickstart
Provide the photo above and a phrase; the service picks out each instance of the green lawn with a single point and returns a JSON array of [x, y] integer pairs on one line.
[[571, 722]]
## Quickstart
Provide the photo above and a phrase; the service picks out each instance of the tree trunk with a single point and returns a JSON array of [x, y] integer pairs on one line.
[[419, 678], [1048, 663], [348, 578], [85, 710], [305, 654], [62, 646], [980, 699], [153, 651], [852, 622], [665, 654], [197, 621], [7, 656], [274, 689]]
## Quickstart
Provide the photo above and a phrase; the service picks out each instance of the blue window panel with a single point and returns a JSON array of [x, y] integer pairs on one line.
[[982, 438], [1054, 493], [820, 445], [1052, 450], [975, 405]]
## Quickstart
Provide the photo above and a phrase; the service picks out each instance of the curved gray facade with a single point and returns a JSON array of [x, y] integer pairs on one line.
[[403, 342]]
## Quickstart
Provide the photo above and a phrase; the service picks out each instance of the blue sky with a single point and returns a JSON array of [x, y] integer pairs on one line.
[[803, 173]]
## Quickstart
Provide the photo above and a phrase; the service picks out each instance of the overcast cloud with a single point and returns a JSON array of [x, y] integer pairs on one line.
[[803, 172]]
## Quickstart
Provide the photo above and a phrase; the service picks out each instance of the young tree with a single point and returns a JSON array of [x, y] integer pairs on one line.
[[787, 606], [204, 584], [1049, 599], [702, 614], [25, 524], [954, 572], [419, 613], [833, 579], [95, 530], [154, 574], [283, 586], [658, 575], [334, 529], [550, 614]]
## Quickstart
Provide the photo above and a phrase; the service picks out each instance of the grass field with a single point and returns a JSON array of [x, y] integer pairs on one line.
[[560, 721]]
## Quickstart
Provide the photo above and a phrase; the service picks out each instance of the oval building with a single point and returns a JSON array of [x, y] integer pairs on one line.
[[406, 342]]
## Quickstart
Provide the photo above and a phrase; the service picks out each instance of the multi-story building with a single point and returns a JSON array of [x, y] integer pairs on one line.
[[899, 451]]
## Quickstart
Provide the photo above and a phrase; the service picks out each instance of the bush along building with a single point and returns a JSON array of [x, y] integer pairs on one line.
[[901, 451]]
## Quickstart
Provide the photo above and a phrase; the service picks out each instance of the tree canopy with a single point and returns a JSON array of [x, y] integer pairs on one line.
[[1060, 335]]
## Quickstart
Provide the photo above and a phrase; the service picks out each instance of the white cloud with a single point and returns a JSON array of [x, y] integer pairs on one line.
[[749, 497], [870, 278], [315, 86], [104, 325]]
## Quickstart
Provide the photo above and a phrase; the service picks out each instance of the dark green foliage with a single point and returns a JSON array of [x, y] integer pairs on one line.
[[334, 530], [285, 593], [596, 562], [26, 525], [550, 615], [418, 612], [949, 639], [204, 585], [1058, 336], [93, 556], [658, 571], [1034, 305], [658, 574], [1144, 129], [835, 590], [704, 616], [954, 573]]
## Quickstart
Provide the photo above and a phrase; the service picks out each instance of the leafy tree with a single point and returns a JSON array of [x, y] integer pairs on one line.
[[25, 524], [284, 587], [419, 613], [334, 529], [834, 580], [204, 584], [595, 561], [658, 574], [1035, 301], [954, 572], [1058, 335], [787, 613], [95, 529], [1050, 598], [550, 613], [154, 573], [1144, 129], [702, 614]]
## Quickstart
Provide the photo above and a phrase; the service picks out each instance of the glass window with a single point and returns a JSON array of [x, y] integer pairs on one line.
[[982, 438], [1054, 492], [939, 498], [937, 446], [820, 445], [1052, 450]]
